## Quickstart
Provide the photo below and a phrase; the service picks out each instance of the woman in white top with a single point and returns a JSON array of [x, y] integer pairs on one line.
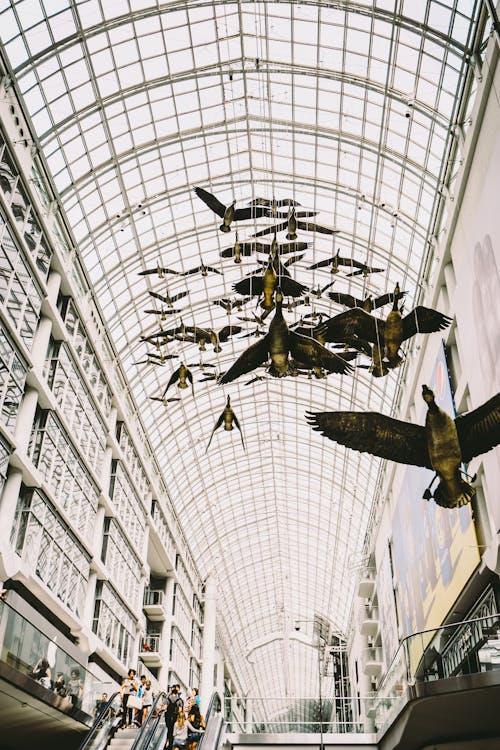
[[180, 730], [147, 700], [129, 686]]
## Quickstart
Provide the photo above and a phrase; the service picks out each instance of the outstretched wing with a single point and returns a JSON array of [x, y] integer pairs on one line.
[[322, 263], [158, 270], [424, 320], [309, 226], [313, 354], [293, 259], [216, 427], [385, 299], [271, 202], [246, 248], [479, 430], [255, 355], [174, 376], [170, 311], [271, 230], [345, 299], [365, 270], [160, 297], [235, 420], [252, 212], [291, 247], [251, 285], [227, 331], [180, 295], [211, 201], [371, 432], [291, 288], [354, 322]]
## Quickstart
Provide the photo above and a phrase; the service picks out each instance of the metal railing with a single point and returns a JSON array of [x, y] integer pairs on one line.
[[153, 730], [298, 715], [153, 597], [150, 644], [105, 724], [467, 647]]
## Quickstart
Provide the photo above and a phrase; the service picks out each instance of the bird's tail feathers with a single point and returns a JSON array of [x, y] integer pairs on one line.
[[224, 228], [394, 362], [459, 494], [281, 373]]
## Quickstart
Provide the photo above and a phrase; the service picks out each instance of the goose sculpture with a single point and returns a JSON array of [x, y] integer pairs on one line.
[[229, 213], [337, 261], [441, 444], [277, 345], [292, 223], [387, 334], [368, 303], [227, 418], [181, 376], [275, 274]]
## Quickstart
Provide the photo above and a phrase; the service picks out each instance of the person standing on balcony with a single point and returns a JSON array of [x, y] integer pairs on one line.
[[129, 687]]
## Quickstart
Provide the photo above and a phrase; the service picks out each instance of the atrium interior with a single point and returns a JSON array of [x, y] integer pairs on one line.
[[169, 171]]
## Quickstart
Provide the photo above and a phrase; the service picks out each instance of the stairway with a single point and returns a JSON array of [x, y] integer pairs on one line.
[[124, 739]]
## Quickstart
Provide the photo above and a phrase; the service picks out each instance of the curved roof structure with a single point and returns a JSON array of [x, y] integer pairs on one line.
[[347, 108]]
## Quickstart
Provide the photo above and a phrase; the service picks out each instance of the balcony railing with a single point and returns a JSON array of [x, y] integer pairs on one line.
[[153, 597], [470, 646], [150, 644], [366, 584], [372, 660], [369, 620], [276, 715]]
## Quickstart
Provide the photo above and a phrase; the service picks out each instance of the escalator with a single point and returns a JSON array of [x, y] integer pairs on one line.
[[106, 734]]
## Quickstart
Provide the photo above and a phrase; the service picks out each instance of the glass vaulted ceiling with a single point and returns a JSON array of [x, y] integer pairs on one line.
[[345, 107]]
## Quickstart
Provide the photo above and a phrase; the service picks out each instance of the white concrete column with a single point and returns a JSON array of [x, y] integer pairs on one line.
[[8, 503], [53, 285], [105, 477], [208, 643], [98, 532], [112, 420], [166, 632], [41, 342], [25, 417], [88, 607]]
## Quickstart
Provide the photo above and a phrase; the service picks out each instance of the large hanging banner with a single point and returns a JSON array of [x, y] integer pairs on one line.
[[434, 549]]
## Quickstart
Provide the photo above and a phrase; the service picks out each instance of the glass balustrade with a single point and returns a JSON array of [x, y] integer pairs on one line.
[[298, 715], [53, 675], [463, 648], [469, 647]]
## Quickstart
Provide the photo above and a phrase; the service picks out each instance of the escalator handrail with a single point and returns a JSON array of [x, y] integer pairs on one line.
[[215, 697], [149, 727], [97, 721]]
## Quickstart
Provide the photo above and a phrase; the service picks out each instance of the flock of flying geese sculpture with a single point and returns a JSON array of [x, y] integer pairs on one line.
[[442, 444]]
